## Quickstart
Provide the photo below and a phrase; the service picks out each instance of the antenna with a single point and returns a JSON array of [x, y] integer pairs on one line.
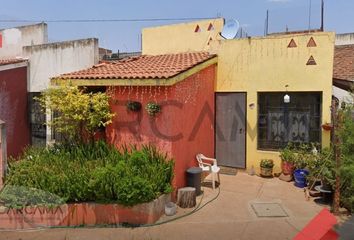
[[322, 15], [230, 29], [266, 24], [310, 6]]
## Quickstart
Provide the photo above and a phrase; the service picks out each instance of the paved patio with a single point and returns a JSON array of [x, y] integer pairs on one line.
[[230, 216]]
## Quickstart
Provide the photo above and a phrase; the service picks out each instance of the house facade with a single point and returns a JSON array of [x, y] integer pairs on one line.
[[252, 120], [181, 84], [46, 59], [13, 104], [13, 39]]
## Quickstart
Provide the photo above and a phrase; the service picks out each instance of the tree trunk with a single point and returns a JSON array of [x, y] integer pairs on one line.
[[186, 197], [337, 154]]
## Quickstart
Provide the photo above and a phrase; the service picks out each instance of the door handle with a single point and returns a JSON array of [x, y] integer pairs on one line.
[[240, 131]]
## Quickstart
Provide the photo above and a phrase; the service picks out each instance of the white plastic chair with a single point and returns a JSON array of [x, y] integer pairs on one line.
[[209, 165]]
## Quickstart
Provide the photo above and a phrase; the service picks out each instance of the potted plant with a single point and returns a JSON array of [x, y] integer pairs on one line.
[[313, 167], [152, 108], [327, 126], [302, 159], [133, 106], [267, 167], [327, 168], [288, 157]]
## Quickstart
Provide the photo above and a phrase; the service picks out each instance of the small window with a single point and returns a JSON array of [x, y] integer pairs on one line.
[[280, 123]]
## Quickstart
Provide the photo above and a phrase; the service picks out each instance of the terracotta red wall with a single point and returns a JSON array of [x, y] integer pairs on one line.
[[182, 129], [13, 109]]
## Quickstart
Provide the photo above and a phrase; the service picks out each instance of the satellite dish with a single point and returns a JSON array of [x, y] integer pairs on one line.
[[230, 29]]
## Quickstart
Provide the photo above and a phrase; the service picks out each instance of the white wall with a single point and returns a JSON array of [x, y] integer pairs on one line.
[[342, 95], [50, 60], [13, 39], [344, 39]]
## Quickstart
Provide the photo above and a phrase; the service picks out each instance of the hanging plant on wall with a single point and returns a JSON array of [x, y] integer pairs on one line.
[[152, 108], [133, 106]]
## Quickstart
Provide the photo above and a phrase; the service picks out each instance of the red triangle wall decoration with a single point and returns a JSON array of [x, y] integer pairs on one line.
[[211, 27], [292, 44], [311, 61], [311, 43], [210, 39], [197, 29]]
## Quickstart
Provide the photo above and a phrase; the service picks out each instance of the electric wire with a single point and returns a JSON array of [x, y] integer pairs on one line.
[[102, 20]]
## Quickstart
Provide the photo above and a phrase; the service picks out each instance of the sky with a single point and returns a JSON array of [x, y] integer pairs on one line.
[[125, 36]]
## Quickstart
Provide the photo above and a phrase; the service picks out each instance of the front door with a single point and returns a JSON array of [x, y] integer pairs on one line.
[[230, 129]]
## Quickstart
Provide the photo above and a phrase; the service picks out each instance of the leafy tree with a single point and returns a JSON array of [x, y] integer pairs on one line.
[[78, 112], [346, 172]]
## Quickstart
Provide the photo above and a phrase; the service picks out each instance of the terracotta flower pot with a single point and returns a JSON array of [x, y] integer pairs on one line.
[[327, 127], [266, 172], [287, 168]]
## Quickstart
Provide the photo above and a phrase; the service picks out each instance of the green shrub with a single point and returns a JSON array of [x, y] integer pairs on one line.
[[94, 172], [18, 197], [267, 163], [287, 154], [153, 108], [303, 155], [346, 171], [78, 112], [322, 166]]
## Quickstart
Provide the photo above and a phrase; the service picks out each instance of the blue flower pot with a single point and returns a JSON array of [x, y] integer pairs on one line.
[[300, 177]]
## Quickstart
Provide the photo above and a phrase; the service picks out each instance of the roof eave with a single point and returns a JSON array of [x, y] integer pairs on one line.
[[9, 66], [344, 84], [138, 81]]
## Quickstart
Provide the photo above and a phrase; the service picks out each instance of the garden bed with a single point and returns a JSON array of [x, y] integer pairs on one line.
[[83, 214], [86, 184]]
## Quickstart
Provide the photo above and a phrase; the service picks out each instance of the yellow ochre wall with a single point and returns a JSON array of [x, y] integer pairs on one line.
[[181, 37], [266, 64], [252, 65]]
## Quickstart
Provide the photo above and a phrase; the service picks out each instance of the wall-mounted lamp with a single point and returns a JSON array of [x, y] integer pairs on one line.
[[286, 96]]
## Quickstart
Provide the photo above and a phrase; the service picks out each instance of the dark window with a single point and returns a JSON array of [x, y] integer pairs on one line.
[[37, 120], [298, 121]]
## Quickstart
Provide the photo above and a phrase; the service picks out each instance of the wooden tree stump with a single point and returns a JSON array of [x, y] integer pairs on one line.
[[186, 197]]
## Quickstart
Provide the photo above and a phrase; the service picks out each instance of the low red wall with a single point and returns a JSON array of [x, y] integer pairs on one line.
[[83, 214], [14, 109], [184, 127]]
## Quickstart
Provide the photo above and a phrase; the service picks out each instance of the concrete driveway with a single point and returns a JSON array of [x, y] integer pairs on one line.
[[230, 216]]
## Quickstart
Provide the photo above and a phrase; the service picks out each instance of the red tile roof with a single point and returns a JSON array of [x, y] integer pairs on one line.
[[343, 67], [142, 67], [11, 61]]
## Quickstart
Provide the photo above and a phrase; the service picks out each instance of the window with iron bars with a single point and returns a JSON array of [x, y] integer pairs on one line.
[[280, 123]]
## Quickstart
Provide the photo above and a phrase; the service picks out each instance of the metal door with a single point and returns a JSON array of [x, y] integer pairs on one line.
[[230, 133]]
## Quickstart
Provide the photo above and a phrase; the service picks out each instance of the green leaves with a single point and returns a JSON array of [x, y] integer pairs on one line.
[[153, 108], [346, 171], [76, 111], [94, 172], [287, 154], [267, 163]]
